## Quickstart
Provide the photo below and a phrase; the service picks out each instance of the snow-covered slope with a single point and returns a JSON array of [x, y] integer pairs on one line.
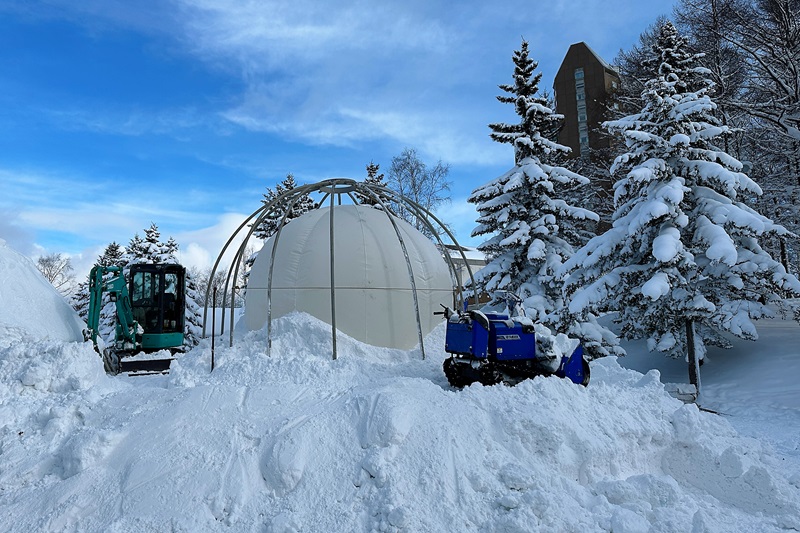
[[29, 306], [374, 441]]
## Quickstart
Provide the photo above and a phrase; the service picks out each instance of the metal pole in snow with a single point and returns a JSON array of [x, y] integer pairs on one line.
[[333, 282], [213, 326]]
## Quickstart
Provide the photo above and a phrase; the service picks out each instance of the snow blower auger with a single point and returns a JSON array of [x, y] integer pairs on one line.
[[492, 348]]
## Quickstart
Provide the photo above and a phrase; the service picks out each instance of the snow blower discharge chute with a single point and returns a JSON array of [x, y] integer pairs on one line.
[[492, 348], [150, 315]]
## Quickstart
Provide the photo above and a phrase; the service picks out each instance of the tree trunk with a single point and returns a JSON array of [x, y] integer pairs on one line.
[[784, 254], [694, 363]]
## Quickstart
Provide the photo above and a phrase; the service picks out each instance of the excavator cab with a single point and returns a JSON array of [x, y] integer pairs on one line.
[[158, 304]]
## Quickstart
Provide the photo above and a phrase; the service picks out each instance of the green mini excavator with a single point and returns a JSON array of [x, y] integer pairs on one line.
[[150, 315]]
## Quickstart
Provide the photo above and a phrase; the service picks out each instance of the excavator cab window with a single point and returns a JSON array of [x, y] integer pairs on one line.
[[157, 297], [173, 296], [145, 299]]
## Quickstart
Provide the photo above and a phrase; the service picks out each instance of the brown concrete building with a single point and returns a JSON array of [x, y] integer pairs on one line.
[[582, 88]]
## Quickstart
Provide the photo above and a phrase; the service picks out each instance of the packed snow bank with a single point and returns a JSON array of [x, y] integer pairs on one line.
[[375, 441], [29, 306], [754, 385]]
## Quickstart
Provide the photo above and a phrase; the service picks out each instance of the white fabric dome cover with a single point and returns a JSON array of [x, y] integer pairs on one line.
[[374, 300]]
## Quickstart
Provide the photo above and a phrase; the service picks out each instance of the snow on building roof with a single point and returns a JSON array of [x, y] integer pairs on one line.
[[472, 254]]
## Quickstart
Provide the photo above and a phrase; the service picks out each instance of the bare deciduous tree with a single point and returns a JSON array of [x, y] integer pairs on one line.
[[412, 178], [57, 269]]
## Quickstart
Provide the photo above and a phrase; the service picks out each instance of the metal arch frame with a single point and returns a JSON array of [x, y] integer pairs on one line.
[[333, 188]]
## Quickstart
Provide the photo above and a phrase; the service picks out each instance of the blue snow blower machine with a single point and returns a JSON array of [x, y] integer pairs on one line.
[[492, 348]]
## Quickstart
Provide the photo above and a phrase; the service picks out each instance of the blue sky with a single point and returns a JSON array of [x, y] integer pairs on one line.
[[116, 114]]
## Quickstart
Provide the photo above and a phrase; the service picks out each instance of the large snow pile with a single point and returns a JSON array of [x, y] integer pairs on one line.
[[29, 306], [374, 441]]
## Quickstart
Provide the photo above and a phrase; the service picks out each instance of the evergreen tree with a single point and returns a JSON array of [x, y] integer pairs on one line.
[[113, 255], [529, 224], [373, 178], [704, 22], [682, 262], [269, 224], [135, 249]]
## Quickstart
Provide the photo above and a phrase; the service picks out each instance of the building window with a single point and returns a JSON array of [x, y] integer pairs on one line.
[[579, 73]]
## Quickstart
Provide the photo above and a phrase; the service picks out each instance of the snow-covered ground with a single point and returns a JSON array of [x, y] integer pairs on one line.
[[377, 441], [755, 386]]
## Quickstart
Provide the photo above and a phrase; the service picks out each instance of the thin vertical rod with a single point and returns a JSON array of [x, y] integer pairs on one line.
[[214, 326], [333, 281]]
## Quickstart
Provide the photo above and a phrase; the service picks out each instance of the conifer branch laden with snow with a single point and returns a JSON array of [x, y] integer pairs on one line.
[[683, 248], [529, 226], [269, 225], [373, 178]]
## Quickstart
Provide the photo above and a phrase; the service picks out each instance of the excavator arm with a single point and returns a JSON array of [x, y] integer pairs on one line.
[[128, 332]]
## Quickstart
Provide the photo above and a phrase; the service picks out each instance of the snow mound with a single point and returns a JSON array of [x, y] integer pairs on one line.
[[29, 306], [47, 366], [375, 441]]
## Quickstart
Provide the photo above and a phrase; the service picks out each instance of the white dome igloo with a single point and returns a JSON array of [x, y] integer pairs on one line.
[[374, 298]]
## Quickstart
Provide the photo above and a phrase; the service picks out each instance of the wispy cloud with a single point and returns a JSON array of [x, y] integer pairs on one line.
[[358, 72], [135, 121], [101, 212], [411, 73]]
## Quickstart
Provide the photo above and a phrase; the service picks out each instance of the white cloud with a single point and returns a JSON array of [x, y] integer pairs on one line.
[[37, 205], [14, 233], [133, 121], [418, 74], [200, 248]]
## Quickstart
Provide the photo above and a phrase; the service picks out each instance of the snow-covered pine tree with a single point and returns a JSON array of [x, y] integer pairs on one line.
[[112, 255], [79, 300], [136, 248], [269, 225], [530, 226], [682, 262], [373, 178]]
